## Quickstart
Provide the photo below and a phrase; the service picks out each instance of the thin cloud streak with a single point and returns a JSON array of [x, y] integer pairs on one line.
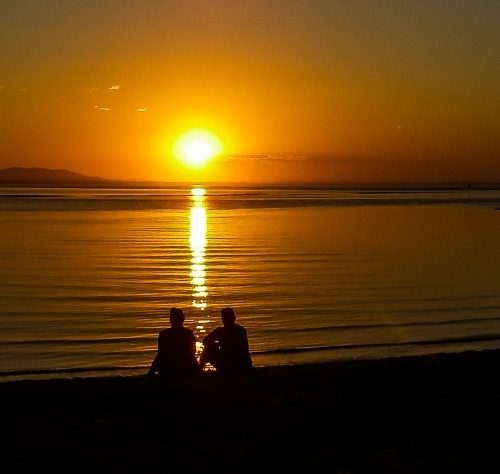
[[262, 158]]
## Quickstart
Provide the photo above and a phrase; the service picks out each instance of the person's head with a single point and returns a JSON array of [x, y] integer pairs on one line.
[[228, 317], [176, 316]]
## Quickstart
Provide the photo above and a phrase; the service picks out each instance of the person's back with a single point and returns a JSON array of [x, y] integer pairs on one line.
[[176, 349], [227, 346], [234, 351]]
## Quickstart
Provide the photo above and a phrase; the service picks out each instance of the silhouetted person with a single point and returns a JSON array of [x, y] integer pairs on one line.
[[226, 347], [176, 349]]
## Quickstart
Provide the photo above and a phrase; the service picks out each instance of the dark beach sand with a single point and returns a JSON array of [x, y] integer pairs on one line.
[[415, 414]]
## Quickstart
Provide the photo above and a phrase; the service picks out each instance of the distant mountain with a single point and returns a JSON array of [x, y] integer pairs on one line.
[[42, 175]]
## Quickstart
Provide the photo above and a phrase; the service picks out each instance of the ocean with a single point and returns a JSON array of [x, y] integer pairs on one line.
[[88, 276]]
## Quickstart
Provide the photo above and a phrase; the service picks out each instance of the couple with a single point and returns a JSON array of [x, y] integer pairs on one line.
[[226, 348]]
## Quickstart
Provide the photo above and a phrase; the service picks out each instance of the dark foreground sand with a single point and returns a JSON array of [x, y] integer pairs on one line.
[[420, 414]]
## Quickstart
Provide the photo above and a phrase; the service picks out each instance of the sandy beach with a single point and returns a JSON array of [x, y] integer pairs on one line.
[[416, 414]]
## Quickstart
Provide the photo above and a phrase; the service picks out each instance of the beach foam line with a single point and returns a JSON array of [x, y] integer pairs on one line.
[[437, 342], [287, 350]]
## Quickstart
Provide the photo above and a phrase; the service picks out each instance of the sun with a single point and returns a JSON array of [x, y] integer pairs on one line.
[[195, 148]]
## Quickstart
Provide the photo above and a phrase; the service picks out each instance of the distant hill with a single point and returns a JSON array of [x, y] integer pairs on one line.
[[42, 175]]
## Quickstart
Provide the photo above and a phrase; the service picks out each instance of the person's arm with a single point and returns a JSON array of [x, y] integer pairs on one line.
[[247, 349], [193, 343], [211, 337], [246, 340], [154, 366]]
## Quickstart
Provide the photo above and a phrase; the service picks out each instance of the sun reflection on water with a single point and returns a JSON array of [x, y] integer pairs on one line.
[[198, 269]]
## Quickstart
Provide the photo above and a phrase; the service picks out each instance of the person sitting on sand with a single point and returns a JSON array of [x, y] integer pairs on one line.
[[176, 349], [226, 347]]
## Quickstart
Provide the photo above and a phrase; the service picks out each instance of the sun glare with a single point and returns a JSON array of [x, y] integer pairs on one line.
[[196, 148]]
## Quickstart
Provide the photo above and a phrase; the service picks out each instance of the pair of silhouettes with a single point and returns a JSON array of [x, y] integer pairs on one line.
[[226, 348]]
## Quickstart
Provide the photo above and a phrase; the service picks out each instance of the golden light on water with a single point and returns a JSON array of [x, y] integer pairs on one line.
[[198, 244], [198, 268], [198, 192], [196, 148]]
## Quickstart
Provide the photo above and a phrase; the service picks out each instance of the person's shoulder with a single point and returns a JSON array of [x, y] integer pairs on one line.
[[240, 328], [164, 336], [189, 333], [213, 335], [187, 330]]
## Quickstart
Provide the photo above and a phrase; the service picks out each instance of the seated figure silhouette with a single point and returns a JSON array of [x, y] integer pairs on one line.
[[176, 349], [226, 347]]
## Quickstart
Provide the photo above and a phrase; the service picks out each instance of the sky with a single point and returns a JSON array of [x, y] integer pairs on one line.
[[336, 91]]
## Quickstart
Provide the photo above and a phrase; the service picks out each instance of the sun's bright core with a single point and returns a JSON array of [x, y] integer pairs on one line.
[[196, 148]]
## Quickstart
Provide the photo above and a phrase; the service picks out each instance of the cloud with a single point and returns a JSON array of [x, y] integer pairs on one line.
[[144, 109], [1, 87], [102, 108], [113, 88], [244, 157], [23, 89], [262, 158]]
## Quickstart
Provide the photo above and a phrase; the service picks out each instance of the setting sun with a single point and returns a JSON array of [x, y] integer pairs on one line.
[[196, 148]]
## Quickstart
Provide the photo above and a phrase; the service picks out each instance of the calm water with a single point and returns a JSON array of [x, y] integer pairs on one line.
[[87, 276]]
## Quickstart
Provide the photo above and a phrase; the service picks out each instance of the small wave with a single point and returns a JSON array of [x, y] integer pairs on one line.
[[263, 199], [73, 370], [355, 327], [75, 342]]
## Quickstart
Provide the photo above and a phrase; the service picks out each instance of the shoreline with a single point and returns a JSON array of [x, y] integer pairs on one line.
[[420, 413], [138, 370]]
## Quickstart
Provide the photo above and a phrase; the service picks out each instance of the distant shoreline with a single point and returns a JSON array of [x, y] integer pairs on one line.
[[374, 188], [47, 178]]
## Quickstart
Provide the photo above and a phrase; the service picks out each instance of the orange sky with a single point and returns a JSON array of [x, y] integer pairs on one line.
[[358, 91]]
